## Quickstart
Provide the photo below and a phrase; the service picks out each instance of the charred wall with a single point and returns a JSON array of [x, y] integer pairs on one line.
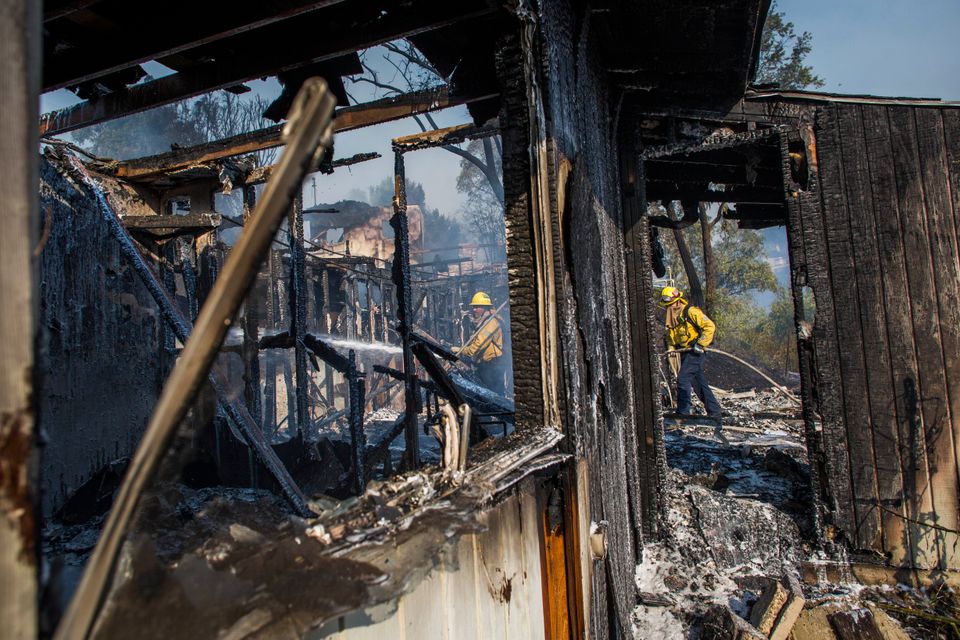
[[875, 238], [590, 280], [100, 356]]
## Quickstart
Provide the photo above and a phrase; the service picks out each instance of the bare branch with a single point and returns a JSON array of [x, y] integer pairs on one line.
[[415, 58], [489, 172]]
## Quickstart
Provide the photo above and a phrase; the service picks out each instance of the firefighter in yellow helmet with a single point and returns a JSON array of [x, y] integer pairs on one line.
[[485, 348], [690, 330]]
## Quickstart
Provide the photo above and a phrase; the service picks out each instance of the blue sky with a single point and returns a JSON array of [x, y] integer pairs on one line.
[[883, 47]]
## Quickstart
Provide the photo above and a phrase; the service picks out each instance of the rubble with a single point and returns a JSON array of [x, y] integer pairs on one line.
[[740, 532]]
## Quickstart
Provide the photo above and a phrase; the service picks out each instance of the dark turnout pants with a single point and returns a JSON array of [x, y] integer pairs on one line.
[[691, 375], [491, 375]]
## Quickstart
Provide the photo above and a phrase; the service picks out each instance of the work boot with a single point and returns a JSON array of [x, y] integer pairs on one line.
[[718, 434]]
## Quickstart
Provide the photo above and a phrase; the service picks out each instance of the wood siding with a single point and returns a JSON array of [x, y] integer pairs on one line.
[[875, 238]]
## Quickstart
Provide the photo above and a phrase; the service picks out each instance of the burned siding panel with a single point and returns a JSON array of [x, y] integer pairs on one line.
[[951, 137], [930, 441], [594, 320], [847, 315], [524, 326], [882, 418], [885, 176], [903, 363], [101, 363], [807, 239], [942, 239]]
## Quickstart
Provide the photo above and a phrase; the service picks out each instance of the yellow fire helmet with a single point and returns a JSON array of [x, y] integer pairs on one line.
[[669, 295], [481, 299]]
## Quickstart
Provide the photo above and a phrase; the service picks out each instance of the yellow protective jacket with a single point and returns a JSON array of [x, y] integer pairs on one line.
[[487, 344], [692, 325]]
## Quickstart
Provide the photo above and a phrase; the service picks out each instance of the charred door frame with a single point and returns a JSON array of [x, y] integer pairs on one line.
[[651, 454]]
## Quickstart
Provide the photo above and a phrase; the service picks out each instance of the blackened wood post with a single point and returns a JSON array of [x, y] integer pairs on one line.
[[20, 38], [805, 348], [298, 310], [358, 441], [401, 278], [649, 432], [371, 313], [270, 383], [251, 330], [327, 369]]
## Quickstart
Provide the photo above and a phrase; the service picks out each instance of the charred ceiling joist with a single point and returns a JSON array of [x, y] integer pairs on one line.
[[739, 168], [327, 33]]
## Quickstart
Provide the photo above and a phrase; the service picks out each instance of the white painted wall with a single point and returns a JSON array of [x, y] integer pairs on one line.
[[465, 596]]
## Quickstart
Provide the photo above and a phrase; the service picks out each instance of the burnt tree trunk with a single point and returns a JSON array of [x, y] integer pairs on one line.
[[693, 279], [709, 258]]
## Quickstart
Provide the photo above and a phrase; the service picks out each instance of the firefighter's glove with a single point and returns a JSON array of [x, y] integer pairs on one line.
[[697, 349]]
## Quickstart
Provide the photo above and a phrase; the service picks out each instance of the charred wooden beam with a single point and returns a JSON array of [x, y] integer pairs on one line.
[[425, 355], [718, 141], [347, 119], [754, 216], [250, 352], [668, 192], [358, 441], [236, 68], [168, 33], [165, 226], [691, 171], [298, 307], [401, 279], [262, 174], [440, 137], [316, 345], [53, 9]]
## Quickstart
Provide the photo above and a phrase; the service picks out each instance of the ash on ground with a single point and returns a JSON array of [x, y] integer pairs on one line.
[[739, 527]]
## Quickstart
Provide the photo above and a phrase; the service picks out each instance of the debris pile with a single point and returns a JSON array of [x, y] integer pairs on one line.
[[739, 521]]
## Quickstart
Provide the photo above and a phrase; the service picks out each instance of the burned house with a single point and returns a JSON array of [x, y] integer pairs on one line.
[[275, 480]]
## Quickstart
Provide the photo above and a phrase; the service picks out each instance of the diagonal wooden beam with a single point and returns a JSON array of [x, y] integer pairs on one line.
[[318, 43], [166, 32], [348, 118], [53, 9]]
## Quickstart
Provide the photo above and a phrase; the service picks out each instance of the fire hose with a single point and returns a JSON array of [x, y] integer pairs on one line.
[[776, 386]]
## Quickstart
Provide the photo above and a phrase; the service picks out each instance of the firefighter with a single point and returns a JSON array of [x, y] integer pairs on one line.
[[690, 331], [485, 349]]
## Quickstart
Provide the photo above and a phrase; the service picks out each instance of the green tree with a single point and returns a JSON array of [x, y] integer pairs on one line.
[[782, 54], [742, 272]]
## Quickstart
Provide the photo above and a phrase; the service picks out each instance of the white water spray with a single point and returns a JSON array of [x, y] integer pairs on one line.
[[361, 346]]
